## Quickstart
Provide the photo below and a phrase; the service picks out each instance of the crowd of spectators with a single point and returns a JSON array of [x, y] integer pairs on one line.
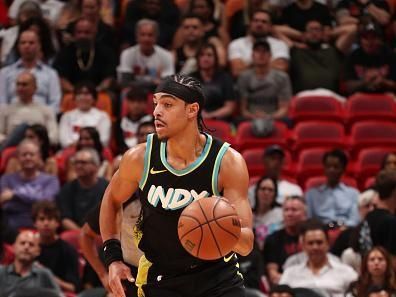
[[76, 80]]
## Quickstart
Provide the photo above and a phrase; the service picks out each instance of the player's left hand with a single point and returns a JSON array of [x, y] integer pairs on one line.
[[118, 271]]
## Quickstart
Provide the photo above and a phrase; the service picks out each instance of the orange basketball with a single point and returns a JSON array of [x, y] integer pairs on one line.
[[209, 228]]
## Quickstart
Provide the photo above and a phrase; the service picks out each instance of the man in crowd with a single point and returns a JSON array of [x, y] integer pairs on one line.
[[48, 90], [146, 62], [319, 271], [285, 242], [24, 274], [240, 50], [77, 197], [20, 190], [56, 254], [273, 159], [334, 202], [26, 110]]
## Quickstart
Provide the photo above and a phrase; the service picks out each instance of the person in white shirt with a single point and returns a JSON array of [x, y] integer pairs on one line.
[[319, 271], [240, 50], [145, 62], [84, 115], [274, 157]]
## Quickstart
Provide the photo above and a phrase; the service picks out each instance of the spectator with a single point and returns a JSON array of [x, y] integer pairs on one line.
[[206, 10], [352, 11], [217, 85], [371, 67], [85, 60], [20, 190], [84, 115], [45, 33], [382, 220], [164, 12], [131, 253], [104, 33], [265, 92], [273, 159], [38, 134], [267, 213], [240, 50], [25, 111], [192, 35], [77, 197], [334, 202], [319, 271], [376, 271], [146, 62], [89, 138], [389, 161], [285, 242], [48, 89], [24, 274], [55, 254], [50, 9], [126, 128], [316, 63], [27, 10], [296, 16], [238, 22]]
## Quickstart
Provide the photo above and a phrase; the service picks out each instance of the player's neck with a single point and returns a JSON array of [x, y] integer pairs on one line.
[[186, 149]]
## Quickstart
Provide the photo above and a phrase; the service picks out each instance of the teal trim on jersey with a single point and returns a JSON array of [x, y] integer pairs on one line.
[[191, 167], [216, 168], [147, 160]]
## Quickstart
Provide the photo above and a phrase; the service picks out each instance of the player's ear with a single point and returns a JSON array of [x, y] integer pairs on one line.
[[193, 110]]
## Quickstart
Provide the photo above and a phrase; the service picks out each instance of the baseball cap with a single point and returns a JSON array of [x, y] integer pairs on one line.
[[261, 43], [370, 27], [274, 149]]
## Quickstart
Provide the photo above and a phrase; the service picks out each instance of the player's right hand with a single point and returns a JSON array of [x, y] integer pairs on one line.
[[118, 271]]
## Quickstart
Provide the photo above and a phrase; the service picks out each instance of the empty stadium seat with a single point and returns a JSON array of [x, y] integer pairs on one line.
[[360, 107], [369, 162], [318, 134], [6, 155], [316, 181], [245, 139], [372, 134], [254, 161], [309, 163], [321, 108]]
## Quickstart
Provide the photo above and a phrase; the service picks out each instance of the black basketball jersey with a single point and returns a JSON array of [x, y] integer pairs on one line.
[[165, 192]]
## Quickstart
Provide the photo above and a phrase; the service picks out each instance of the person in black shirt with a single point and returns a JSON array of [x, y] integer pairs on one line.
[[351, 11], [382, 220], [285, 242], [56, 254]]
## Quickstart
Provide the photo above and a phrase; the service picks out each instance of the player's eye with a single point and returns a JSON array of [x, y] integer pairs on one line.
[[167, 105]]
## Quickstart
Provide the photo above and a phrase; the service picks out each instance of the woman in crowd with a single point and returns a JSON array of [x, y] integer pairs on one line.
[[376, 271], [268, 215], [217, 85], [38, 134]]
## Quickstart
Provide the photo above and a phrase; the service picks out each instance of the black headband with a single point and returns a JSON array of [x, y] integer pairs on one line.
[[187, 94]]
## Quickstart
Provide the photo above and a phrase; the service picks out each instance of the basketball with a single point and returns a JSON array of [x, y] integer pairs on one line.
[[209, 228]]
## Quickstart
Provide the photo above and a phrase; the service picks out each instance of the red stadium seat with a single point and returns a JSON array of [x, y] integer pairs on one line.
[[6, 155], [220, 129], [73, 238], [369, 182], [255, 165], [316, 181], [318, 134], [309, 163], [320, 108], [361, 107], [373, 134], [245, 138], [369, 162]]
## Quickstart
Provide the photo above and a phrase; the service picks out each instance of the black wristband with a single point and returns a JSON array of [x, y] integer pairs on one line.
[[112, 251]]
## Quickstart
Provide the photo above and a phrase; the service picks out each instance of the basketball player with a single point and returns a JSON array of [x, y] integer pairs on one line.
[[177, 165]]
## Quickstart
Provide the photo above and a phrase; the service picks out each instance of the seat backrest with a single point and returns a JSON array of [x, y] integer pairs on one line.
[[72, 237], [6, 155], [316, 181], [219, 129], [316, 108]]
